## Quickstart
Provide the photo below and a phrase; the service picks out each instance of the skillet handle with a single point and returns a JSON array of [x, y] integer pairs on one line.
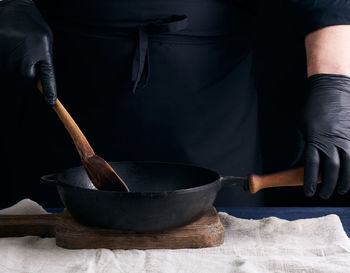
[[49, 179], [293, 177]]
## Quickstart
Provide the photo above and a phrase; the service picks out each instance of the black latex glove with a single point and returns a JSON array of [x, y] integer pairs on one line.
[[326, 130], [26, 44]]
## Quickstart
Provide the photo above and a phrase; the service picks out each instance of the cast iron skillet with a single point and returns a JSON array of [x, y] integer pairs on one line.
[[162, 195]]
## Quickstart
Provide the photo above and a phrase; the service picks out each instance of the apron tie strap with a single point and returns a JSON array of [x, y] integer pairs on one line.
[[140, 64]]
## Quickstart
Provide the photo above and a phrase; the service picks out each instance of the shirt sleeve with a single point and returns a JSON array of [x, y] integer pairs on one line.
[[316, 14]]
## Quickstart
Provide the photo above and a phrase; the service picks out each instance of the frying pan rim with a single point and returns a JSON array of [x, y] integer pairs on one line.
[[148, 194]]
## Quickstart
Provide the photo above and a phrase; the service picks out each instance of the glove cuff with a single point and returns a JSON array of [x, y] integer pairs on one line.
[[331, 81]]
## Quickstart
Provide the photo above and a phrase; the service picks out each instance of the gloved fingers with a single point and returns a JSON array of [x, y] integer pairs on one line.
[[330, 172], [344, 175], [47, 76], [311, 169]]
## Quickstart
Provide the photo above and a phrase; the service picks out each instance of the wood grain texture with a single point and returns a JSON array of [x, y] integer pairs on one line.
[[43, 225], [293, 177], [207, 231], [83, 146]]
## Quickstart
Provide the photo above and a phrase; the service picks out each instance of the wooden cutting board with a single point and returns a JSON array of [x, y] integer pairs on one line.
[[207, 231]]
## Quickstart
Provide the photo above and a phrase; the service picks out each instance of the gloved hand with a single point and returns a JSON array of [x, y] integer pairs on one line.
[[326, 131], [26, 44]]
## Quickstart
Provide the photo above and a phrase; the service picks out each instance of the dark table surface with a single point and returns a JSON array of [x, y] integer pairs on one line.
[[290, 213]]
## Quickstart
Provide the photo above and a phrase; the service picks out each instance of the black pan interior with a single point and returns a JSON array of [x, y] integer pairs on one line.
[[147, 176]]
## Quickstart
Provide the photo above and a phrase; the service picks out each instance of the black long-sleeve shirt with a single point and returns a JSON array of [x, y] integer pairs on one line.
[[316, 14]]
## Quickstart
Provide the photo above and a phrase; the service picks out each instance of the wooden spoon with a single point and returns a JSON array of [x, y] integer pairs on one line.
[[99, 171]]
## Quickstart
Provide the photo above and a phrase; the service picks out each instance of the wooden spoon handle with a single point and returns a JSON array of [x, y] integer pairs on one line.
[[80, 141], [43, 225], [293, 177]]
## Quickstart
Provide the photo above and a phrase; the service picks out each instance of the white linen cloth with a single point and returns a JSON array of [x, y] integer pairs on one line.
[[271, 244]]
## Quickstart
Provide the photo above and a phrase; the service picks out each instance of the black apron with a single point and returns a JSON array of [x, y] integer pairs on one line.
[[149, 80]]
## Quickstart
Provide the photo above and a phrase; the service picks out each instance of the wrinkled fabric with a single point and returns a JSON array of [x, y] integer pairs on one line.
[[316, 245]]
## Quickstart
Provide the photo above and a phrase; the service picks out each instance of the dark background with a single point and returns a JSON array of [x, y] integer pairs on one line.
[[280, 69]]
